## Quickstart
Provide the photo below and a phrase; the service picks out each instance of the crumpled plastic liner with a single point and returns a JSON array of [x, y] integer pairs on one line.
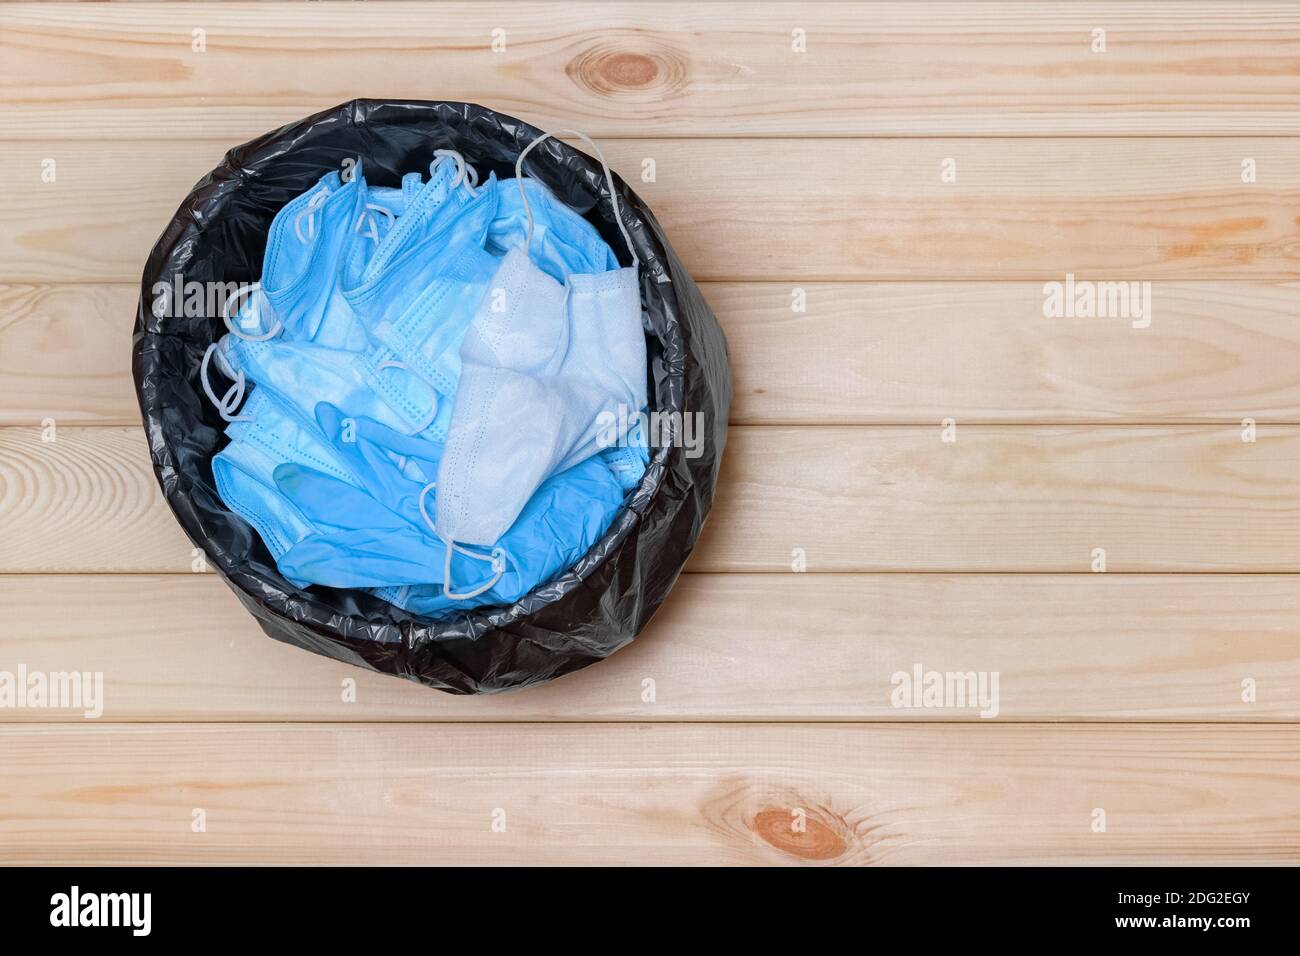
[[585, 614]]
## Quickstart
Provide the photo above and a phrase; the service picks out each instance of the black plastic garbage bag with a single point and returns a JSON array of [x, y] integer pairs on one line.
[[583, 615]]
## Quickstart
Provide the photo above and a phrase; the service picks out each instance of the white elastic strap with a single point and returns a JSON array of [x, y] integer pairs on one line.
[[471, 174], [230, 325], [433, 393], [609, 181], [497, 558], [309, 210], [234, 395], [465, 173], [373, 208]]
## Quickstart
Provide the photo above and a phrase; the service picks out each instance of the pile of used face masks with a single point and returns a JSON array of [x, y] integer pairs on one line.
[[439, 375]]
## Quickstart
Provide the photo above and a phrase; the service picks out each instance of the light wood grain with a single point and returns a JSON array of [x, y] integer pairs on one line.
[[65, 353], [915, 353], [1000, 498], [860, 353], [637, 69], [1007, 498], [1103, 210], [775, 171], [724, 647], [86, 500], [654, 793]]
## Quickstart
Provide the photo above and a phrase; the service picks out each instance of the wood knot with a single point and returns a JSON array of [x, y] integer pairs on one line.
[[805, 834], [619, 66]]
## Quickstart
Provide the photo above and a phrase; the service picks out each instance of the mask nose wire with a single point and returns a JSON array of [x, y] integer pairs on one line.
[[497, 558], [609, 181], [247, 290]]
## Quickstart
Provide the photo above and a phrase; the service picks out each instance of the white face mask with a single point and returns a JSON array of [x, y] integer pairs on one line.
[[544, 367]]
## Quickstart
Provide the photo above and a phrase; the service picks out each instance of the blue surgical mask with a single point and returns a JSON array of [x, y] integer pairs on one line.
[[386, 537], [419, 307], [364, 377], [299, 297], [543, 364], [394, 200], [562, 242], [426, 205], [303, 374], [309, 241]]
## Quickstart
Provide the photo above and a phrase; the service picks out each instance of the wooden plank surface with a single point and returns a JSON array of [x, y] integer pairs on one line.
[[791, 647], [1007, 498], [982, 352], [65, 353], [126, 71], [999, 498], [757, 692], [743, 209], [652, 793], [858, 353]]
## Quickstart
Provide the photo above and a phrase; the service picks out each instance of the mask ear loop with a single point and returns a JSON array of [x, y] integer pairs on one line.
[[313, 204], [497, 558], [465, 173], [234, 395], [433, 393], [230, 325], [609, 180]]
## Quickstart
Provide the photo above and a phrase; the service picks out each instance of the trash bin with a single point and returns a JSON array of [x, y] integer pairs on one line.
[[582, 615]]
